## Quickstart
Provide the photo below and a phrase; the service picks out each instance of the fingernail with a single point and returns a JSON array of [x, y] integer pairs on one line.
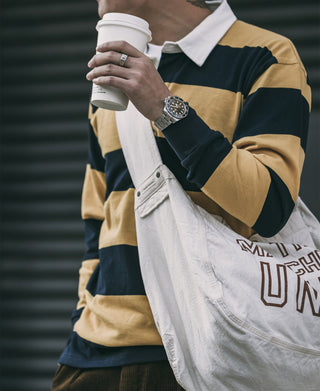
[[90, 64], [98, 47]]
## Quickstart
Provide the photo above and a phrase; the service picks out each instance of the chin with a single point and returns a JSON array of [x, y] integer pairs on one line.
[[101, 11]]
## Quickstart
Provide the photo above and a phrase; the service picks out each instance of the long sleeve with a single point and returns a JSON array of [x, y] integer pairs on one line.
[[93, 197], [256, 176]]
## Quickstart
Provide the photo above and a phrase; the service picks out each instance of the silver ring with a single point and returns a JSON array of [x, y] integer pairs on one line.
[[123, 59]]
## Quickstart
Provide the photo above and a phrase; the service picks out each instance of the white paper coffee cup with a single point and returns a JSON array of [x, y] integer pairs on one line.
[[119, 27]]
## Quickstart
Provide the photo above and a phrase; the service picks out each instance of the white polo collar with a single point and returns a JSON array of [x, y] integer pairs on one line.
[[199, 43]]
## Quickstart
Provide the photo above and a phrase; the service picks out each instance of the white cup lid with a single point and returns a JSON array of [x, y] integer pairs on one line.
[[132, 21]]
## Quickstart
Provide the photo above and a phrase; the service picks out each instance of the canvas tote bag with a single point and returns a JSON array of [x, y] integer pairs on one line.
[[234, 314]]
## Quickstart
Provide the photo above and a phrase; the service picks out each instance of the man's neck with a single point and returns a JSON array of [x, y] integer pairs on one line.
[[174, 20]]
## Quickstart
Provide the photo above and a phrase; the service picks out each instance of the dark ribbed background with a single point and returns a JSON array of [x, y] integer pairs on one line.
[[45, 46]]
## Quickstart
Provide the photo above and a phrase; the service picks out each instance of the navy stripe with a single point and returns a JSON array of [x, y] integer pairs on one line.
[[118, 272], [274, 111], [76, 315], [200, 149], [96, 159], [277, 208], [233, 69], [117, 174], [118, 177], [92, 231], [171, 160], [81, 353], [94, 108]]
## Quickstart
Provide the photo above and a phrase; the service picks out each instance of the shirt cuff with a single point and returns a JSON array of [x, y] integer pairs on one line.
[[199, 148]]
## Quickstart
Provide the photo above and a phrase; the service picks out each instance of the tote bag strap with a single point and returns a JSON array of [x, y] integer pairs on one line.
[[138, 144]]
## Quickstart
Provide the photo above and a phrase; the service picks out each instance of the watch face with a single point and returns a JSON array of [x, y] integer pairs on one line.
[[177, 107]]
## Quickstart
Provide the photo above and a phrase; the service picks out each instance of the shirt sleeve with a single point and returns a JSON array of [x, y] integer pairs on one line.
[[93, 197], [256, 177]]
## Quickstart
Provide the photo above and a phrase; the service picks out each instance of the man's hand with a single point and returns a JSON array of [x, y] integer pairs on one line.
[[138, 78]]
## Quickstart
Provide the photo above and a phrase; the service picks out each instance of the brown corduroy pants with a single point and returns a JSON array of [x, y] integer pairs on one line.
[[156, 376]]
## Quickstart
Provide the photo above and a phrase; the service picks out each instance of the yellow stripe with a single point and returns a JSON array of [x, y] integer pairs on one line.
[[221, 109], [242, 34], [282, 153], [239, 181], [105, 128], [85, 272], [117, 321], [212, 207], [119, 224], [284, 76], [93, 194]]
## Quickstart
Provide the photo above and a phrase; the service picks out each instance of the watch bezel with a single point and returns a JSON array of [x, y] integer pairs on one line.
[[169, 109]]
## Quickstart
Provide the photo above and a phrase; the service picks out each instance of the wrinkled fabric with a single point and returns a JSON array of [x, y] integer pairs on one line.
[[233, 313], [156, 376]]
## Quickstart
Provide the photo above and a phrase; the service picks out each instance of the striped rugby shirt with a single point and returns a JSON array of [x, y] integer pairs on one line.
[[239, 153]]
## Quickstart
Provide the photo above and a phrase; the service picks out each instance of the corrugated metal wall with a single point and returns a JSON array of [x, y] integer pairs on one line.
[[45, 102], [45, 47]]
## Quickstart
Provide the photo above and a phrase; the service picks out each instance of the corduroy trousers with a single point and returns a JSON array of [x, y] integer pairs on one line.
[[156, 376]]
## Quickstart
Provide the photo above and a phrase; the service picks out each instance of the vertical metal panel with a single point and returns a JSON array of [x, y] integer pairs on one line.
[[45, 47]]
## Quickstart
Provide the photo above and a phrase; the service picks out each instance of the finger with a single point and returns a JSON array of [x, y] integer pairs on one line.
[[108, 58], [114, 81], [120, 47], [109, 70]]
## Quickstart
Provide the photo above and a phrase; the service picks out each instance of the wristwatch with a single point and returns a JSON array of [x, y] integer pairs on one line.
[[174, 110]]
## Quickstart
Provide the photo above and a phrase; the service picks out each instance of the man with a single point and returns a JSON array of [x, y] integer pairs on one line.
[[238, 151]]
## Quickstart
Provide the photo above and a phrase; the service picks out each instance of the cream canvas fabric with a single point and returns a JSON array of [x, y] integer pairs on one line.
[[234, 314]]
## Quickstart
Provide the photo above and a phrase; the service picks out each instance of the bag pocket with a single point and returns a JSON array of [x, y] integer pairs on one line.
[[152, 192]]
